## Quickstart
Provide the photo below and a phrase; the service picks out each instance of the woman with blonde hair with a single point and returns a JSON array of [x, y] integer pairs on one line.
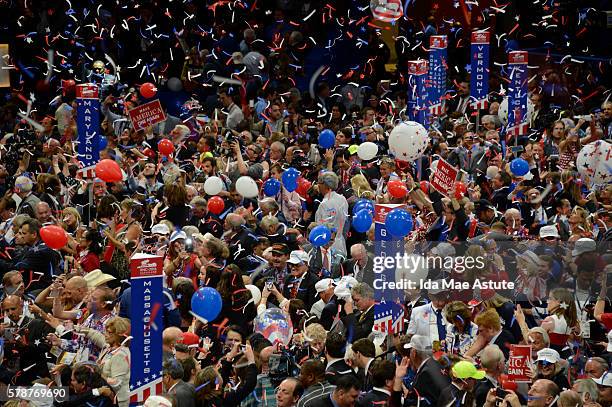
[[114, 359], [361, 187], [71, 220], [579, 223]]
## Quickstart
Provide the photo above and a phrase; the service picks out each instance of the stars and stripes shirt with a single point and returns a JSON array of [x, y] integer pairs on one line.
[[81, 342]]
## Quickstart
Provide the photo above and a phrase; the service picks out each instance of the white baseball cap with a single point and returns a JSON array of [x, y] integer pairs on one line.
[[609, 348], [584, 245], [323, 284], [419, 343], [178, 235], [298, 256], [548, 355], [604, 380], [549, 231], [160, 229], [157, 401]]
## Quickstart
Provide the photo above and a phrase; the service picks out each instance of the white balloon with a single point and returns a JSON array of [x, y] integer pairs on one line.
[[367, 150], [255, 293], [175, 84], [213, 185], [412, 267], [408, 141], [247, 187], [502, 113], [595, 162]]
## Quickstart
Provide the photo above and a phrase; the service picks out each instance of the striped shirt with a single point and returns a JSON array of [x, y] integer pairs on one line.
[[315, 393]]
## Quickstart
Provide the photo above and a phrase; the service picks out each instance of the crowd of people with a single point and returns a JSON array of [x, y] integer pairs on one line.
[[247, 91]]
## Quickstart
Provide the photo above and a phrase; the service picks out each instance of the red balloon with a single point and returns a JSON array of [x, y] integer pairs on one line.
[[216, 205], [148, 90], [424, 186], [460, 189], [397, 188], [303, 187], [165, 147], [53, 236], [109, 171]]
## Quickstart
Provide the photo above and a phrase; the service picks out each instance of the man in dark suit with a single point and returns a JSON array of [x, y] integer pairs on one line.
[[383, 376], [325, 261], [461, 101], [25, 342], [429, 380], [38, 262], [344, 395], [183, 393], [493, 362], [300, 283], [363, 356], [359, 323], [335, 347], [360, 265]]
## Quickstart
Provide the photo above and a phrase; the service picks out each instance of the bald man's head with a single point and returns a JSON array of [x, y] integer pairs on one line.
[[76, 289], [12, 307], [170, 336], [43, 212]]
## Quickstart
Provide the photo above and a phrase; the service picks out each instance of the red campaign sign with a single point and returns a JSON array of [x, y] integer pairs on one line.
[[381, 211], [519, 363], [146, 265], [480, 37], [518, 57], [418, 67], [147, 115], [438, 41], [444, 177], [87, 91]]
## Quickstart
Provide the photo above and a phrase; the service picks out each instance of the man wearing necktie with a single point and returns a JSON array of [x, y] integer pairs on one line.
[[360, 324], [300, 284], [428, 320]]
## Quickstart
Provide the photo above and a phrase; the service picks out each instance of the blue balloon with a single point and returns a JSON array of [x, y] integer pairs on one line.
[[320, 236], [290, 177], [362, 221], [102, 143], [271, 187], [398, 222], [327, 139], [206, 303], [363, 204], [519, 167]]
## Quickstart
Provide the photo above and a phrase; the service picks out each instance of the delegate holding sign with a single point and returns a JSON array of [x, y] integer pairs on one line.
[[147, 115], [444, 177]]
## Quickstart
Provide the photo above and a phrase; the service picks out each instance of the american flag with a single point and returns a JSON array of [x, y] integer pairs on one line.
[[152, 386], [436, 109], [389, 317], [480, 104], [88, 172]]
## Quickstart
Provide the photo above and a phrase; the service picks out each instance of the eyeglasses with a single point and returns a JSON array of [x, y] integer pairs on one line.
[[544, 363]]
